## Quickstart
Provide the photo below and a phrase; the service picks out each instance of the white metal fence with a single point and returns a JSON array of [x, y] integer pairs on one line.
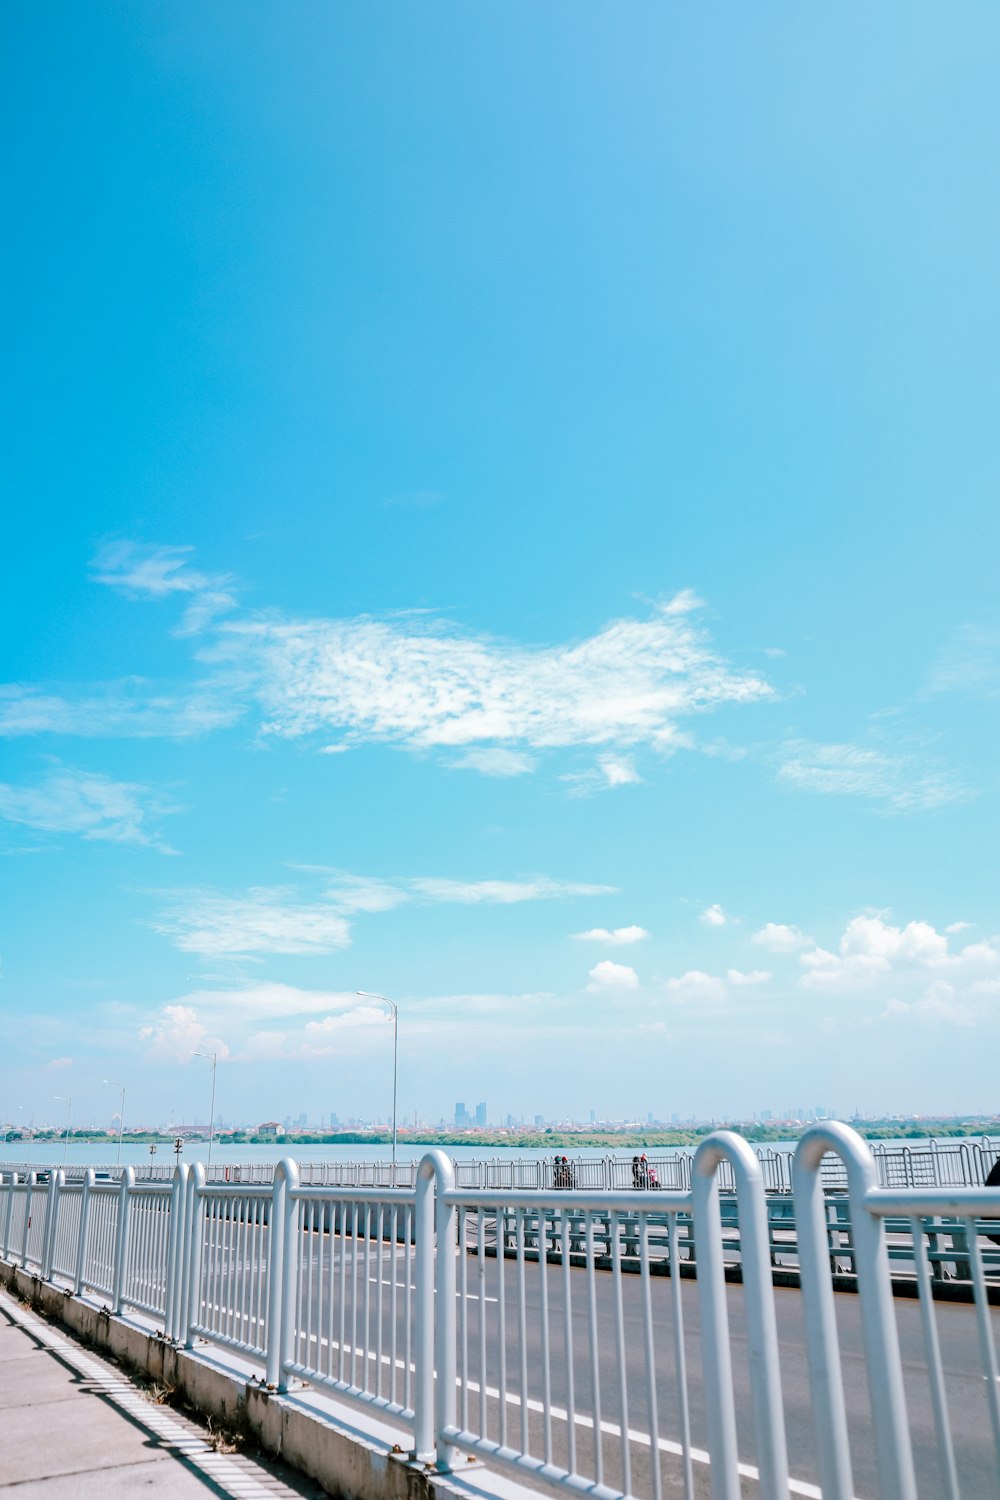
[[948, 1163], [532, 1326]]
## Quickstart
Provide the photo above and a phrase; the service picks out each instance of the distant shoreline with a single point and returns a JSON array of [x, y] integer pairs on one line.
[[561, 1140]]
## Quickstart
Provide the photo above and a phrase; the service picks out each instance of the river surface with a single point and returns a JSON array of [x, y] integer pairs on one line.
[[101, 1154]]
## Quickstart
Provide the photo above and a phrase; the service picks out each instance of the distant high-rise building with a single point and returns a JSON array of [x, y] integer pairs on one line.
[[461, 1116], [481, 1115], [593, 1117], [539, 1119], [334, 1121]]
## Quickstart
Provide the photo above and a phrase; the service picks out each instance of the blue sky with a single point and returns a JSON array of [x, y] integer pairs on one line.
[[500, 510]]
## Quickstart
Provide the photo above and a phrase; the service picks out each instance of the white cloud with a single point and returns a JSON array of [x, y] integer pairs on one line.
[[275, 919], [494, 760], [695, 987], [955, 927], [714, 916], [939, 1002], [67, 800], [617, 937], [610, 976], [504, 892], [132, 709], [409, 679], [902, 782], [178, 1031], [265, 920], [196, 1022], [423, 683], [618, 770], [870, 947], [741, 977], [912, 965], [969, 663], [776, 937], [156, 572]]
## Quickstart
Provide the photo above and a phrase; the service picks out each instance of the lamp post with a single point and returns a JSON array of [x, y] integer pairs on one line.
[[69, 1112], [394, 1013], [121, 1116], [213, 1058]]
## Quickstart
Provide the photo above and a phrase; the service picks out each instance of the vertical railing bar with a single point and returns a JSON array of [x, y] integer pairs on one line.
[[680, 1357], [394, 1303], [330, 1278], [365, 1379], [986, 1347], [522, 1329], [354, 1294], [543, 1271], [615, 1227], [481, 1283], [567, 1276], [380, 1290], [647, 1320], [410, 1216], [595, 1349], [342, 1211], [502, 1322], [932, 1348], [463, 1316], [300, 1341]]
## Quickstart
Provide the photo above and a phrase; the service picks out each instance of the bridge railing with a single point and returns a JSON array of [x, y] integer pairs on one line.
[[951, 1163], [529, 1326]]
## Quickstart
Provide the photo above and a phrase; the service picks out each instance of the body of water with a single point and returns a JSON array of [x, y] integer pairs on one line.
[[88, 1153]]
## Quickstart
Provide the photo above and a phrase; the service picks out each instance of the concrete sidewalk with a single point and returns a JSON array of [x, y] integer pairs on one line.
[[72, 1426]]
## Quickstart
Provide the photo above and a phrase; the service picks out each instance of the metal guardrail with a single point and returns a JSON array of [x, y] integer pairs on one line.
[[951, 1163], [436, 1305]]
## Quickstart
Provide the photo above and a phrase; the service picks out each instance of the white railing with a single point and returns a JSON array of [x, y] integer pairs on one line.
[[950, 1163], [529, 1326]]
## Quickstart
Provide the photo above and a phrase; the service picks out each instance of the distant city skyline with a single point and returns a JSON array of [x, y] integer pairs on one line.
[[508, 528]]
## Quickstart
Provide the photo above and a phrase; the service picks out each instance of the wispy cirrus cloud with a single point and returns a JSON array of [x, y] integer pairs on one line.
[[495, 760], [901, 781], [409, 679], [134, 708], [968, 663], [423, 683], [264, 920], [157, 572], [69, 800], [276, 919]]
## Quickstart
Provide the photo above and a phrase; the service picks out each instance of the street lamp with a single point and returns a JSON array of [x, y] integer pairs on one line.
[[394, 1013], [69, 1111], [213, 1058], [121, 1115]]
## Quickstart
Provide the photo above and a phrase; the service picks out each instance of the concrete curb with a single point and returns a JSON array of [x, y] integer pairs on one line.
[[352, 1454]]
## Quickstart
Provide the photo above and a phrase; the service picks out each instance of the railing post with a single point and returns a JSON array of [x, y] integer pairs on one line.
[[445, 1398], [9, 1215], [424, 1447], [29, 1194], [894, 1454], [762, 1333], [175, 1251], [56, 1179], [81, 1239], [285, 1173], [291, 1242], [194, 1235], [121, 1238]]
